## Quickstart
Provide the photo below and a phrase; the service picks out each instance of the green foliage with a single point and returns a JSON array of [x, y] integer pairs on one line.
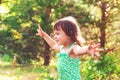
[[6, 58], [11, 21], [18, 29], [103, 69]]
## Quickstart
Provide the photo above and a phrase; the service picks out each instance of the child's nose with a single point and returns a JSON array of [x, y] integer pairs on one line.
[[55, 37]]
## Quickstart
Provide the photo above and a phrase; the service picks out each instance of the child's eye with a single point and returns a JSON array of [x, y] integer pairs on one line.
[[57, 34]]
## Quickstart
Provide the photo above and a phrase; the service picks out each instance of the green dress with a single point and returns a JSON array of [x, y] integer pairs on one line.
[[68, 68]]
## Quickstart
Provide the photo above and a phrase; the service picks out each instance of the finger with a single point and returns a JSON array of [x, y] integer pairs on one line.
[[99, 50], [90, 45], [37, 33], [97, 55], [92, 55], [97, 45], [39, 26], [37, 30]]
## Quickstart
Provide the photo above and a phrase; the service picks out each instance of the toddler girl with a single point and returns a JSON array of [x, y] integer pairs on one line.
[[69, 42]]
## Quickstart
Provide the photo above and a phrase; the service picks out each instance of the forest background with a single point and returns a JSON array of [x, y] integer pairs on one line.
[[23, 54]]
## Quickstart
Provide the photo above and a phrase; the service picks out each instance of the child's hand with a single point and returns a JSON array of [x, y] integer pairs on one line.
[[93, 50], [40, 31]]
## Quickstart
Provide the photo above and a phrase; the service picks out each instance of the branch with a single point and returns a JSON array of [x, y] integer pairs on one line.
[[109, 50]]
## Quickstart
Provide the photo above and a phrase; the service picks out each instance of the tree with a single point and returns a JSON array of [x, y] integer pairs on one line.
[[108, 21], [22, 24]]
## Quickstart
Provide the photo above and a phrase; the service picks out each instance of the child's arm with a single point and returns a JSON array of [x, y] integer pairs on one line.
[[92, 49], [47, 38]]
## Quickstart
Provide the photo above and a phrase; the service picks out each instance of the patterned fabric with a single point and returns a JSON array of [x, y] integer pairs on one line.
[[68, 68]]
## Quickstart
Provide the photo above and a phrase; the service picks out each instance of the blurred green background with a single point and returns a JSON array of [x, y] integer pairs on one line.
[[25, 56]]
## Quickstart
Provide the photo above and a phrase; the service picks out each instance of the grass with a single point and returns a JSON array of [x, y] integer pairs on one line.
[[26, 72]]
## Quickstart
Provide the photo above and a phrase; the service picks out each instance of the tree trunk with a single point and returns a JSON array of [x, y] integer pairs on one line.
[[46, 54], [103, 24], [102, 37]]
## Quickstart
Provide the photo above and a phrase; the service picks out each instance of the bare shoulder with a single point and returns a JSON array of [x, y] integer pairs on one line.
[[74, 50], [76, 46], [56, 47]]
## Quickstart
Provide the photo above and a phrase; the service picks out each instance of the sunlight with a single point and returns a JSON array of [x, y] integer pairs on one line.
[[3, 9], [3, 77]]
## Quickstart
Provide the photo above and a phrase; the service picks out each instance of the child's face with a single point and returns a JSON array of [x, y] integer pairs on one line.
[[60, 37]]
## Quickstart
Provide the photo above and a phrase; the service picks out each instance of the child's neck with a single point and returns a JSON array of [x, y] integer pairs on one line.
[[67, 44]]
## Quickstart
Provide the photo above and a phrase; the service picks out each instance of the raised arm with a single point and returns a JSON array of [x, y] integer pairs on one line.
[[92, 49], [47, 38]]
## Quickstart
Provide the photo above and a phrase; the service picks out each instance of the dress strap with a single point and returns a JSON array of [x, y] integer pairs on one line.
[[74, 43], [69, 47]]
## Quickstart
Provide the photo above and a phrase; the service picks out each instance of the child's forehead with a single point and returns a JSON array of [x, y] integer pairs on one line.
[[55, 31], [57, 28]]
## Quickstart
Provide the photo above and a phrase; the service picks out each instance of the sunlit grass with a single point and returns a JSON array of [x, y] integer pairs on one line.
[[27, 72]]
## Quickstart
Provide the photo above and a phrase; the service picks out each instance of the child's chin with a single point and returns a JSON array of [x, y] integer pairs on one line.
[[59, 43]]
